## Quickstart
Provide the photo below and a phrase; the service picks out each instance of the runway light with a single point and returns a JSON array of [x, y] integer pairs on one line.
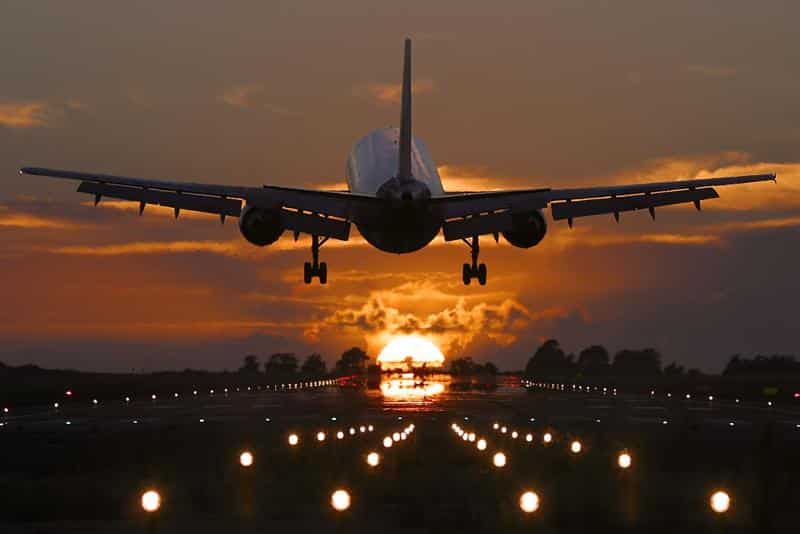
[[481, 444], [720, 502], [340, 500], [731, 424], [373, 459], [151, 501], [403, 436], [362, 429], [396, 436], [529, 502], [135, 421], [575, 447], [548, 437], [352, 431], [55, 405], [529, 438], [532, 419], [293, 439], [624, 460], [664, 422], [267, 419], [68, 393], [68, 423], [711, 397], [320, 436], [514, 434], [495, 426], [499, 459], [246, 459], [503, 430], [340, 435], [94, 401], [387, 442], [471, 437], [127, 399], [153, 396], [202, 420], [370, 428]]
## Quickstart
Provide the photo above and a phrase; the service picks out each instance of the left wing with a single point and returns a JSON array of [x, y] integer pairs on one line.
[[328, 213], [468, 214]]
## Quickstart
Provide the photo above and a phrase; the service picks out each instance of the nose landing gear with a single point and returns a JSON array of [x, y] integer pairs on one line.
[[474, 270], [315, 268]]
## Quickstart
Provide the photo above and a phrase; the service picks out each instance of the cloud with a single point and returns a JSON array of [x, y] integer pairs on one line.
[[241, 96], [388, 93], [23, 114], [29, 221], [712, 71], [455, 320]]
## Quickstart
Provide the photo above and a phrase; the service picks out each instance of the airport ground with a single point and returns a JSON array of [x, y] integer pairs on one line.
[[82, 467]]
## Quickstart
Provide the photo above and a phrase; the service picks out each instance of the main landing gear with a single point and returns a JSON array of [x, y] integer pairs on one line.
[[315, 268], [475, 270]]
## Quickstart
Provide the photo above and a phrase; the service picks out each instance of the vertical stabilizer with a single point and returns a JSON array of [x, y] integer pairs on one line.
[[404, 155]]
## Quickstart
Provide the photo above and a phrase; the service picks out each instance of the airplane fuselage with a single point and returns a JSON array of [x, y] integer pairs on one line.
[[408, 223]]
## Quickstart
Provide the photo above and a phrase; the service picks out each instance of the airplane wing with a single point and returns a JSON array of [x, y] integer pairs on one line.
[[476, 213], [325, 213]]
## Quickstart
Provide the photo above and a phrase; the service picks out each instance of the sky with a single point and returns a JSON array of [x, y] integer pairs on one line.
[[514, 94]]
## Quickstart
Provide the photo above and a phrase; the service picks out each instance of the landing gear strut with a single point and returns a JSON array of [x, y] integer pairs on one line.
[[475, 270], [315, 268]]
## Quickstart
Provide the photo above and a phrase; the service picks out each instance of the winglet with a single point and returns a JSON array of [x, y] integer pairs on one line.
[[404, 155]]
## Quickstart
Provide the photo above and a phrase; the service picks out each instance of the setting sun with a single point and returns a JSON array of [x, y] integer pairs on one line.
[[416, 350]]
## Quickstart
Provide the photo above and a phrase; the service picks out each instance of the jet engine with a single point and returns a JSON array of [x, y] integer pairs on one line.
[[527, 229], [260, 226]]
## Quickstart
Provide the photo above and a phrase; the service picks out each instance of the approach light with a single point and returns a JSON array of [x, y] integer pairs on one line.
[[373, 459], [387, 442], [246, 459], [151, 501], [529, 502], [352, 431], [575, 447], [320, 436], [403, 436], [340, 500], [514, 435], [720, 502], [495, 426], [499, 459], [548, 437], [340, 435], [396, 436], [293, 439], [624, 460], [529, 438], [362, 429], [481, 444], [371, 428], [464, 436], [471, 437]]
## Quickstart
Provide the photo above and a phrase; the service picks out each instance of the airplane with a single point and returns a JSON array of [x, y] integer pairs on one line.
[[396, 200]]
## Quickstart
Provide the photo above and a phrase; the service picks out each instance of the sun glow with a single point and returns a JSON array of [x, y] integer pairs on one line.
[[410, 351]]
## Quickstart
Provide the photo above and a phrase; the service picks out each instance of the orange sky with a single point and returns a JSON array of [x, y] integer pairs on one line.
[[542, 95]]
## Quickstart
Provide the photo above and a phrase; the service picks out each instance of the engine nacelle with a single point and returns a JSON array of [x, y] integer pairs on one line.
[[527, 230], [260, 226]]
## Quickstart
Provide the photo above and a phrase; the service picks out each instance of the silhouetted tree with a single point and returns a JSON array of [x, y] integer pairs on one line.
[[674, 369], [462, 366], [353, 361], [645, 362], [281, 365], [314, 365], [550, 361], [490, 368], [761, 365], [250, 365], [594, 361]]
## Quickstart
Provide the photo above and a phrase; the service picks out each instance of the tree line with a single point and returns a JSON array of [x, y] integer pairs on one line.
[[551, 362], [286, 365]]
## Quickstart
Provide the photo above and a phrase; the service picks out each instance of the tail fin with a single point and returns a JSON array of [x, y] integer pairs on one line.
[[404, 155]]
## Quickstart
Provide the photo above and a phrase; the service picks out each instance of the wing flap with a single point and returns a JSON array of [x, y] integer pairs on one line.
[[479, 225], [187, 201], [583, 208], [315, 225]]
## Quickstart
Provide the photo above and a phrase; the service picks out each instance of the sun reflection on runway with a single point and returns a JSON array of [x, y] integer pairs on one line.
[[407, 387]]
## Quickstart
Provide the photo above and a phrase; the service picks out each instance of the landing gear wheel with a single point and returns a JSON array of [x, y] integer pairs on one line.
[[323, 273], [466, 274], [307, 273], [482, 274]]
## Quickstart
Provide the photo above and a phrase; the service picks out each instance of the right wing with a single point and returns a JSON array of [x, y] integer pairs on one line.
[[325, 213]]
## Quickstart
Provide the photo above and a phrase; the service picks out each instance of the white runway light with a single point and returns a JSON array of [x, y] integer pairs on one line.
[[293, 439], [720, 502], [481, 444], [246, 459], [624, 460], [548, 437], [529, 502], [340, 500], [320, 436], [151, 501], [373, 459], [387, 442], [575, 447], [499, 459]]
